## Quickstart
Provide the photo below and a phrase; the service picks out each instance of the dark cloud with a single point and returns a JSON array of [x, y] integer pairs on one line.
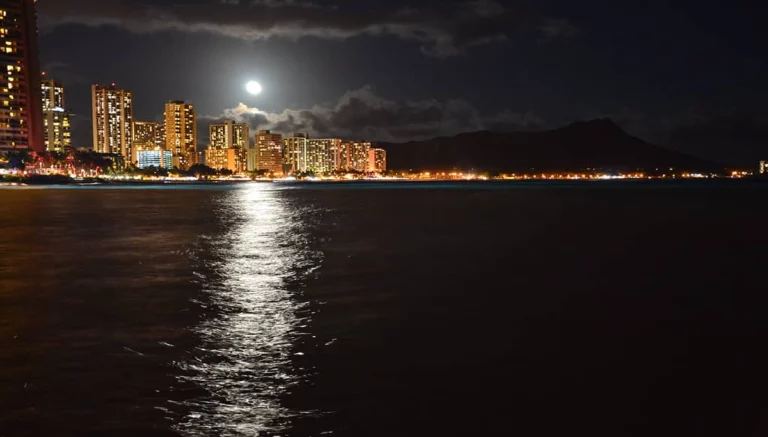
[[446, 30], [364, 114], [552, 28]]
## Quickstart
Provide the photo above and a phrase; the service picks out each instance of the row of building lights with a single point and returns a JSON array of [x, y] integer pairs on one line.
[[174, 142], [44, 124]]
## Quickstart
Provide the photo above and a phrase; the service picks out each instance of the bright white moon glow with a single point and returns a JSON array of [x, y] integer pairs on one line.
[[253, 87]]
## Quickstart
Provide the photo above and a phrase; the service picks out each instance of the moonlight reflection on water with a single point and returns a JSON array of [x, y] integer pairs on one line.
[[244, 362]]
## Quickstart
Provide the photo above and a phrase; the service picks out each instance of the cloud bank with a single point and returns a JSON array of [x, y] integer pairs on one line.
[[445, 29], [362, 114]]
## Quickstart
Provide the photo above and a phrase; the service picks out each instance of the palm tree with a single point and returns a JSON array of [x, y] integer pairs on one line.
[[201, 171]]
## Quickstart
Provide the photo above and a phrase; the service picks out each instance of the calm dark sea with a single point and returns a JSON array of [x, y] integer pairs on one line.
[[596, 309]]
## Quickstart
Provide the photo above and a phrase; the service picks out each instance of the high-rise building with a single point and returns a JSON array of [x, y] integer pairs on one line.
[[53, 94], [57, 133], [112, 111], [181, 133], [161, 136], [145, 136], [58, 129], [294, 153], [336, 149], [229, 135], [21, 113], [321, 154], [228, 146], [377, 160], [268, 152], [354, 155], [226, 159], [317, 155]]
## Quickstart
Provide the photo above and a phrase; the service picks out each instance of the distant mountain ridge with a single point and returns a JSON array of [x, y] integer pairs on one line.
[[597, 143]]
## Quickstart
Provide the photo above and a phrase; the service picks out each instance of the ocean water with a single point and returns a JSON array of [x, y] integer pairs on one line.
[[406, 309]]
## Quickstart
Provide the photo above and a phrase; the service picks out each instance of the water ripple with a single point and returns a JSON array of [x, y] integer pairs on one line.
[[244, 362]]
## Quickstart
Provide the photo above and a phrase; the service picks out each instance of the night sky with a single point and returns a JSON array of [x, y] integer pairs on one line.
[[688, 74]]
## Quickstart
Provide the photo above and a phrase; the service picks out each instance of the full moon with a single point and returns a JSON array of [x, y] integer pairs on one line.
[[253, 87]]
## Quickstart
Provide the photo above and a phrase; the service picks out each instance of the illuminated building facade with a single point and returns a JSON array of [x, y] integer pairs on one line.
[[250, 159], [294, 155], [181, 133], [226, 159], [145, 135], [58, 129], [53, 94], [322, 154], [229, 135], [112, 111], [228, 146], [57, 133], [317, 155], [377, 160], [21, 113], [354, 155], [154, 158], [268, 152], [161, 136], [336, 148]]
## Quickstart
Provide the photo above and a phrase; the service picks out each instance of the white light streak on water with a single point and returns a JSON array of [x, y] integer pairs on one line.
[[244, 362]]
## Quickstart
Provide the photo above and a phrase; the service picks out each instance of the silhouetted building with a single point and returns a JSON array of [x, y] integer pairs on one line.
[[21, 113]]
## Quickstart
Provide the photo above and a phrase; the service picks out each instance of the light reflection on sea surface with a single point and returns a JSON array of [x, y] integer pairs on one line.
[[244, 360]]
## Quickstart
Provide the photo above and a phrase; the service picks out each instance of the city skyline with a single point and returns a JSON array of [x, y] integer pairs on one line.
[[447, 68], [381, 218], [112, 133], [109, 99]]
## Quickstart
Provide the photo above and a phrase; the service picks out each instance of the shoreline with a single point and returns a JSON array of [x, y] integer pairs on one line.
[[99, 183]]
